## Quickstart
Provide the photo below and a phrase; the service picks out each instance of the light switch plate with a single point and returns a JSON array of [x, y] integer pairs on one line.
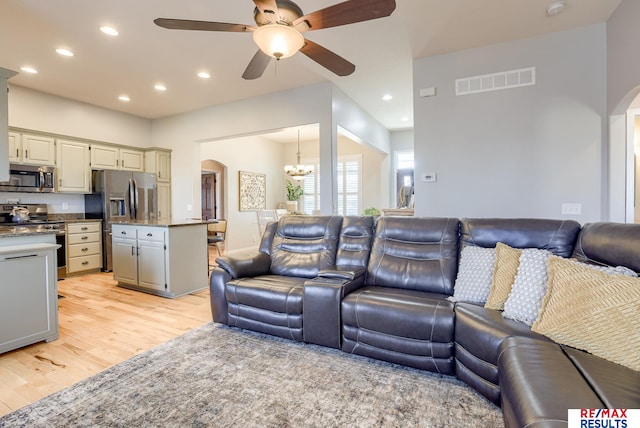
[[429, 177]]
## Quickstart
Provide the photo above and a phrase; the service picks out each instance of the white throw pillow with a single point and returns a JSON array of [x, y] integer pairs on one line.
[[474, 275], [529, 287]]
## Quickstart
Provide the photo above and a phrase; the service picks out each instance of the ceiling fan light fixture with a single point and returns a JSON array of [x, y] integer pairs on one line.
[[278, 40]]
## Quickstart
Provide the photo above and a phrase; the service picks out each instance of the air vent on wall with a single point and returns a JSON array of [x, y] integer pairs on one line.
[[496, 81]]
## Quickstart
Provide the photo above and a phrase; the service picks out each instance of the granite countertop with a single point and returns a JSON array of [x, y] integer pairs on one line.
[[157, 223], [83, 220], [13, 231]]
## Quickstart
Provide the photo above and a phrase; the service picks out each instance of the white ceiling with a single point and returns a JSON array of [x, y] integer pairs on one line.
[[143, 54]]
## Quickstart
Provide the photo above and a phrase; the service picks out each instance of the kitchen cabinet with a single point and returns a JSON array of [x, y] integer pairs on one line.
[[84, 247], [73, 168], [139, 257], [169, 260], [15, 147], [158, 162], [32, 149], [29, 304], [113, 157], [164, 201]]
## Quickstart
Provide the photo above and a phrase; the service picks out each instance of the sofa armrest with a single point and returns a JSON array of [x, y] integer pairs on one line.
[[258, 264], [217, 294], [346, 273], [322, 301]]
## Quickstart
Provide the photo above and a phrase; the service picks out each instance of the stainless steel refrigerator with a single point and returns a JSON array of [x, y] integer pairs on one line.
[[119, 196]]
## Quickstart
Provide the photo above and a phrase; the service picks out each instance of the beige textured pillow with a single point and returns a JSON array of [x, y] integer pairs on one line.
[[592, 311], [504, 274]]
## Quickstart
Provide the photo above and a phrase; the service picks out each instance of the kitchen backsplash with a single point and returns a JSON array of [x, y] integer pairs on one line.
[[57, 203]]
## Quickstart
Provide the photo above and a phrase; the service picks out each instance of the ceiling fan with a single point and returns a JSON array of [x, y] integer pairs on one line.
[[279, 27]]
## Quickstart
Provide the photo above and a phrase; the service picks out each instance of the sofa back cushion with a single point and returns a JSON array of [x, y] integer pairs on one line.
[[414, 253], [303, 245], [267, 237], [354, 246], [613, 244], [557, 236]]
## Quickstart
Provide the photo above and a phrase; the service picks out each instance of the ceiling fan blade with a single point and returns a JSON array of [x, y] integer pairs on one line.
[[329, 60], [268, 7], [187, 24], [347, 12], [257, 66]]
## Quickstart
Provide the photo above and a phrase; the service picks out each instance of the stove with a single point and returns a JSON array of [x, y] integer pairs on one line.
[[38, 217], [39, 220]]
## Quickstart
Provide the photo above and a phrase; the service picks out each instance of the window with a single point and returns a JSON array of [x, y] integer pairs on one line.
[[349, 185], [311, 186], [349, 178]]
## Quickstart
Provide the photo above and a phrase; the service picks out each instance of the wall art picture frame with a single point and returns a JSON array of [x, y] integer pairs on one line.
[[253, 191]]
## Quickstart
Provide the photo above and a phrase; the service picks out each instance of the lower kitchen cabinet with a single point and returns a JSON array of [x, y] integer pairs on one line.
[[167, 260], [29, 304], [84, 247]]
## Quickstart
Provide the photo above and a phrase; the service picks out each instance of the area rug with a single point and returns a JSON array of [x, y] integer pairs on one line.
[[216, 376]]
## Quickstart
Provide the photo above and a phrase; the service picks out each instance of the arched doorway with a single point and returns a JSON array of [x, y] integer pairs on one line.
[[212, 189]]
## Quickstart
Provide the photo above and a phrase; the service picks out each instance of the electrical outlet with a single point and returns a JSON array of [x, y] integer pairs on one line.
[[13, 201], [65, 206], [189, 207], [571, 209]]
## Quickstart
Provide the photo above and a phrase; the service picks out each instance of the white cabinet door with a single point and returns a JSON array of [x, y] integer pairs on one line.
[[112, 157], [164, 201], [25, 300], [29, 303], [151, 264], [38, 150], [125, 260], [15, 147], [104, 157], [158, 162], [73, 169], [132, 160]]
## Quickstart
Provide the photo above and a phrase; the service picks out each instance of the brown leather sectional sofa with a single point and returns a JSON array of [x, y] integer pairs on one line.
[[380, 289]]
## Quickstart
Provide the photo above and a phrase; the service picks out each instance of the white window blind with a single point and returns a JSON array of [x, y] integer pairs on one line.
[[349, 184], [349, 178]]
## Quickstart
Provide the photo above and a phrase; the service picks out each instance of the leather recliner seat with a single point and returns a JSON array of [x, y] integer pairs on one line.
[[401, 314]]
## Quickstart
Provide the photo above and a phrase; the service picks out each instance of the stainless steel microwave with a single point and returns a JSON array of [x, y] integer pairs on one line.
[[30, 178]]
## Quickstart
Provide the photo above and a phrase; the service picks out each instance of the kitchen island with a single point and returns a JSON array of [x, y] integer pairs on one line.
[[29, 302], [169, 259]]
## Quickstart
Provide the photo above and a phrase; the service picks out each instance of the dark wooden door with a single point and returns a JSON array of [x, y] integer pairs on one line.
[[208, 196]]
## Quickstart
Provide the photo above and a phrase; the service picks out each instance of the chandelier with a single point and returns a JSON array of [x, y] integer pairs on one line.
[[298, 172]]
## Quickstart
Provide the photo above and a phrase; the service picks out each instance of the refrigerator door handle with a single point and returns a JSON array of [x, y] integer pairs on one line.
[[132, 199], [135, 196]]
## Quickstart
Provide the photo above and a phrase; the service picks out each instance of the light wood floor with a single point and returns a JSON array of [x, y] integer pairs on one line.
[[100, 325]]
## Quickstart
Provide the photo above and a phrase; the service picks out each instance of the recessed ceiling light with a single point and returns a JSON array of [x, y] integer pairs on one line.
[[109, 30], [124, 98], [28, 69], [160, 87], [387, 97], [404, 119], [556, 7], [204, 75], [64, 52]]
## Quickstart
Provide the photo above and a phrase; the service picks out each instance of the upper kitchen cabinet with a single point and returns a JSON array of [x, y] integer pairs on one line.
[[32, 149], [73, 169], [113, 157], [158, 162], [15, 148]]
